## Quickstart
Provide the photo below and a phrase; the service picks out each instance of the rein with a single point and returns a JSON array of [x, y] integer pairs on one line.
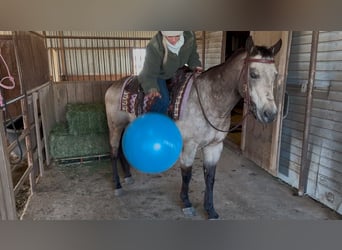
[[245, 90]]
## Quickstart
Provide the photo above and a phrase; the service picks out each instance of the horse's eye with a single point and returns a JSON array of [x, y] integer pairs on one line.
[[253, 75]]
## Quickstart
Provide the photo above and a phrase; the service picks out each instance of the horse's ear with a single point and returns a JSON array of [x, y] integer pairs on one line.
[[249, 45], [276, 47]]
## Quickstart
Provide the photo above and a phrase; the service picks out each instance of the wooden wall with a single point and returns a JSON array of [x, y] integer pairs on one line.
[[77, 92], [325, 136], [213, 48], [8, 53], [32, 59]]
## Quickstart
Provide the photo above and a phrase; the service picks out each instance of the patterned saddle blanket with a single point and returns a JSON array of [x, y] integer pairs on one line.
[[133, 99]]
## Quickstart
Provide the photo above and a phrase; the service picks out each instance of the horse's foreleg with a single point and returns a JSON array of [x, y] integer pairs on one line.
[[186, 178], [209, 177], [211, 156], [186, 160]]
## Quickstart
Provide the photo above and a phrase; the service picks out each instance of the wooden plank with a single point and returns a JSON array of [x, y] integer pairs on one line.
[[79, 93], [61, 100], [48, 116], [71, 92], [104, 88], [37, 122], [329, 197], [7, 200], [332, 154], [87, 92], [32, 58]]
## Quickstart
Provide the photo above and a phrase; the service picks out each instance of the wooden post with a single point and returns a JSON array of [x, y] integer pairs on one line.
[[304, 170], [7, 200]]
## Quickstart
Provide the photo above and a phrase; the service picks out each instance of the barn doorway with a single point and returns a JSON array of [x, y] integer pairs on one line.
[[234, 41]]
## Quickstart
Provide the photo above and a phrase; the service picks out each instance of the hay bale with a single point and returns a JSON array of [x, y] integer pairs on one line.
[[64, 145], [86, 119]]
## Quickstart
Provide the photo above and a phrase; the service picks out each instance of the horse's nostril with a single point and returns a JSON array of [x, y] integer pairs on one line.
[[269, 115]]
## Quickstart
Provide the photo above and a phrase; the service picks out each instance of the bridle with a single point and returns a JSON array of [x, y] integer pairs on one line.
[[245, 91]]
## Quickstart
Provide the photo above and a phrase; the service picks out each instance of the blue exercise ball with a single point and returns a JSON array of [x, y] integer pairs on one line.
[[152, 143]]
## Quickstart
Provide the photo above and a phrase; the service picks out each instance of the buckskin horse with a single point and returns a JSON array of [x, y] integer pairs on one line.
[[250, 73]]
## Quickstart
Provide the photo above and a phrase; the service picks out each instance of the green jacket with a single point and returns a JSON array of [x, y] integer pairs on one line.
[[154, 69]]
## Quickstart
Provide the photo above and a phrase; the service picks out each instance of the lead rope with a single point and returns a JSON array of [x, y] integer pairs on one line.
[[9, 77]]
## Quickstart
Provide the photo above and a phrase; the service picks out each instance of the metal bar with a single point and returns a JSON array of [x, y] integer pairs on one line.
[[98, 58], [93, 57], [109, 61], [115, 69], [304, 170], [104, 61], [62, 61], [15, 99], [87, 54], [98, 38], [76, 60], [81, 55]]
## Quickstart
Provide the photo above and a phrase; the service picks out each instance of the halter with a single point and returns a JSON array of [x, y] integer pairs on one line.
[[245, 91]]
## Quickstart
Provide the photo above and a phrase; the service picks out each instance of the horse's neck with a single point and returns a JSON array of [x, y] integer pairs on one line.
[[220, 88]]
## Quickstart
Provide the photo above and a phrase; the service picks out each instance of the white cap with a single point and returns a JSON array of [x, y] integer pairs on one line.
[[172, 33]]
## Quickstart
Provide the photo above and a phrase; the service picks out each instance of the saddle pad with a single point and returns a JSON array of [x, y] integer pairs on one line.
[[179, 95], [129, 97]]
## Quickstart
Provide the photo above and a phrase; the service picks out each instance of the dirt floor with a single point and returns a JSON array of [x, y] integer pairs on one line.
[[242, 191]]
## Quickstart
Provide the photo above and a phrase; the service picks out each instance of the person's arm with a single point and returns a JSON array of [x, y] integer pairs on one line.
[[194, 61], [149, 74]]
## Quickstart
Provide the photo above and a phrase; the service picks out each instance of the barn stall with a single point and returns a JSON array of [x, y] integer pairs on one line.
[[78, 68], [51, 70]]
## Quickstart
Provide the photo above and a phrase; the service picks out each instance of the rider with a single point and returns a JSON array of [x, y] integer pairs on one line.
[[166, 52]]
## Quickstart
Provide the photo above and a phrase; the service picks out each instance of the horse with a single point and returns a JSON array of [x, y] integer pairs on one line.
[[249, 73]]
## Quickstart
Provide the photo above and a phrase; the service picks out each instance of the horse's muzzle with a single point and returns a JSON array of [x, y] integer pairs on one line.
[[264, 115], [268, 115]]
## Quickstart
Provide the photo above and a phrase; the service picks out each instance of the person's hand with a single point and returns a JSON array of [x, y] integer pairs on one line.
[[198, 69], [152, 93]]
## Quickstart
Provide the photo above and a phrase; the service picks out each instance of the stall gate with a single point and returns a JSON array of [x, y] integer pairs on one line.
[[324, 182]]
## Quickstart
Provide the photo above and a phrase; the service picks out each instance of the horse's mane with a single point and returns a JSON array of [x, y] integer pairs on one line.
[[261, 50], [258, 50]]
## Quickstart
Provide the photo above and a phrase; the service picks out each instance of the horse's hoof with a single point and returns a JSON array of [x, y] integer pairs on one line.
[[118, 192], [213, 215], [189, 211], [129, 180]]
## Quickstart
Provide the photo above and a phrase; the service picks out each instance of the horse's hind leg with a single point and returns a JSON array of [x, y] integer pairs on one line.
[[211, 156], [116, 177], [124, 164], [114, 136]]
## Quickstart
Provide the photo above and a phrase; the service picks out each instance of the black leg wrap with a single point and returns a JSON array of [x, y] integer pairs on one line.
[[209, 177], [116, 178], [124, 164], [184, 194]]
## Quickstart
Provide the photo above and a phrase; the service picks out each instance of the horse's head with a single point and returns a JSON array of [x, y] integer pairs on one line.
[[261, 75]]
